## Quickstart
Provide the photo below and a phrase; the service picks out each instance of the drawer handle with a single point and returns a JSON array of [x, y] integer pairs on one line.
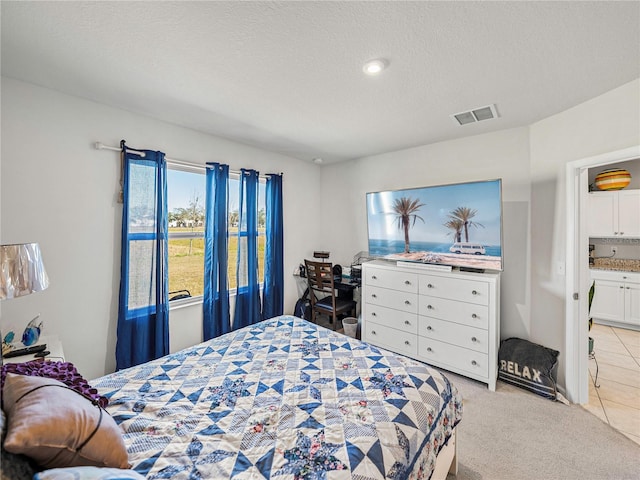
[[374, 314], [474, 339], [474, 292], [373, 277], [429, 349], [373, 295], [429, 285], [628, 288], [429, 307], [621, 286], [407, 282], [373, 332], [429, 328], [407, 322], [474, 315], [406, 342], [474, 363], [407, 302]]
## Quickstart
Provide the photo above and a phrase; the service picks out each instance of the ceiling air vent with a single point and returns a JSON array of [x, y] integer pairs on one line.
[[475, 115]]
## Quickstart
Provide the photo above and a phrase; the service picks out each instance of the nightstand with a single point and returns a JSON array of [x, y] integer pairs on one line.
[[53, 345]]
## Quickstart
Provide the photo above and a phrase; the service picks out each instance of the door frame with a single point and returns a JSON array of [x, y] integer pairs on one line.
[[577, 268]]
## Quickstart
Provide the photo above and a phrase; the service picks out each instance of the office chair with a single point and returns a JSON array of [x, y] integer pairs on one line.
[[321, 281]]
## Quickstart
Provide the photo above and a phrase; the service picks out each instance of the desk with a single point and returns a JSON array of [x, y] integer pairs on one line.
[[349, 289], [345, 287]]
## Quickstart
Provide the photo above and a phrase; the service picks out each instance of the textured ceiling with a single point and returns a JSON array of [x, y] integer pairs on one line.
[[287, 76]]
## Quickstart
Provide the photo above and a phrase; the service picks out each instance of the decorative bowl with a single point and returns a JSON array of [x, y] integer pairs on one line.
[[613, 179]]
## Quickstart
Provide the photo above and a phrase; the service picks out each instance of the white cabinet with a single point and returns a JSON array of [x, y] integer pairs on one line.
[[447, 319], [617, 298], [614, 213], [632, 303], [629, 213], [390, 305]]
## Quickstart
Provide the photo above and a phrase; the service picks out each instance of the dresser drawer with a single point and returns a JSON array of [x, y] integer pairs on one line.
[[458, 358], [459, 312], [454, 333], [394, 340], [395, 280], [406, 302], [471, 291], [405, 321]]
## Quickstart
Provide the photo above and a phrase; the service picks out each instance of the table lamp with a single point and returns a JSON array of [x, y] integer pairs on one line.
[[22, 273]]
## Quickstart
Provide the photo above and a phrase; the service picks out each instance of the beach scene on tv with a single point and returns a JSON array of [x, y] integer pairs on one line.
[[458, 225]]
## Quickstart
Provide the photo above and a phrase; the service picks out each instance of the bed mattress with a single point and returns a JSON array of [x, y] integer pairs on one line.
[[284, 399]]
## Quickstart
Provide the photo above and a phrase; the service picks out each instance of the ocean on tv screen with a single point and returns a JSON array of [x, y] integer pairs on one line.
[[381, 247]]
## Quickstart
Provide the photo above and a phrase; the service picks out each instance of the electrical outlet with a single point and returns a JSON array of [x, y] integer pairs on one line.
[[614, 250]]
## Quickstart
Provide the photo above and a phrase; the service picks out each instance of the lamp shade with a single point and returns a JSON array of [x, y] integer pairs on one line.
[[21, 270]]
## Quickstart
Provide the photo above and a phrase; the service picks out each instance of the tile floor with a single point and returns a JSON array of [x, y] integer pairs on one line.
[[617, 400]]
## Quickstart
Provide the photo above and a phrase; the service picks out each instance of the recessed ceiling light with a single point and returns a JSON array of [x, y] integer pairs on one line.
[[317, 160], [375, 67]]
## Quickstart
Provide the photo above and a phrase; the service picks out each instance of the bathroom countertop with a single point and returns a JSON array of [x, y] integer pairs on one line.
[[616, 264]]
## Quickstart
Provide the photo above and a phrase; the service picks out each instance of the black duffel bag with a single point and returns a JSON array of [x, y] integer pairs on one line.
[[303, 306]]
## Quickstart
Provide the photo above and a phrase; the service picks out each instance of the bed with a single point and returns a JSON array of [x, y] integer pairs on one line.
[[285, 399]]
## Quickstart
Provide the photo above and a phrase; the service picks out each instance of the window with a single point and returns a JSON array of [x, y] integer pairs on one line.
[[186, 199]]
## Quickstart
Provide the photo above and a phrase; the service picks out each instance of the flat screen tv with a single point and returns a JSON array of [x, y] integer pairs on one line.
[[458, 225]]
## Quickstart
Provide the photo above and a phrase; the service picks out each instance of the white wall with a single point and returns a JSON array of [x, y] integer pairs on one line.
[[531, 162], [59, 191], [503, 154], [606, 123]]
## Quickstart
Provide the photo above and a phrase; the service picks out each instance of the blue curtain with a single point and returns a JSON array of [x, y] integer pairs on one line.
[[216, 319], [143, 316], [273, 294], [247, 309]]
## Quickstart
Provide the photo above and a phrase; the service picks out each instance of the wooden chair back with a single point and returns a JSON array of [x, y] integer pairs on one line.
[[321, 281], [320, 277]]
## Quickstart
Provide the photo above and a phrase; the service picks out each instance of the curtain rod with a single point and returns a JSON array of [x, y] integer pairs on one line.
[[171, 161]]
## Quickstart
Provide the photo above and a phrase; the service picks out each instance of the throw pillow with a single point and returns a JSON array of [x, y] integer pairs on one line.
[[64, 372], [13, 467], [58, 427], [528, 365]]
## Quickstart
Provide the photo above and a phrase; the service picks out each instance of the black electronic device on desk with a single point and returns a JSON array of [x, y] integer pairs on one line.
[[18, 352], [356, 273]]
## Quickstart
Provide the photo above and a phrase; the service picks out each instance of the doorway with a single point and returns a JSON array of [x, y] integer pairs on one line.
[[577, 278]]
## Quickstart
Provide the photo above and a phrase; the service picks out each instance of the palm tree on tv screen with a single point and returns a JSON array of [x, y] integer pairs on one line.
[[456, 225], [464, 215], [405, 210]]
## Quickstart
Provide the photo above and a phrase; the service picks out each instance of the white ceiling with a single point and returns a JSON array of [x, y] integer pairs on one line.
[[287, 76]]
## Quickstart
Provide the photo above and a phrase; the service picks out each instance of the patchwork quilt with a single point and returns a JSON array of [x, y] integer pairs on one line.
[[283, 399]]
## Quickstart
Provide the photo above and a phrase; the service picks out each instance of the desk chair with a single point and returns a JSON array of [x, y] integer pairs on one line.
[[321, 281]]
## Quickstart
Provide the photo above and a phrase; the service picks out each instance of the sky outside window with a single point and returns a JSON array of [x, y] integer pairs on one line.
[[186, 253]]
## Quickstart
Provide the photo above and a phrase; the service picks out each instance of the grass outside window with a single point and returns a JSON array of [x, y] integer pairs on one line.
[[186, 261]]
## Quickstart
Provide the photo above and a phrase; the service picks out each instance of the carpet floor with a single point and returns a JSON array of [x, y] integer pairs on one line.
[[512, 434]]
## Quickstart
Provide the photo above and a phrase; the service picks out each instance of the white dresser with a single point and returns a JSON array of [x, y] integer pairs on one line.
[[447, 319]]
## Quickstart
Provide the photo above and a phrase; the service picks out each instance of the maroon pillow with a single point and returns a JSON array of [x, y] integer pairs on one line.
[[64, 372]]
